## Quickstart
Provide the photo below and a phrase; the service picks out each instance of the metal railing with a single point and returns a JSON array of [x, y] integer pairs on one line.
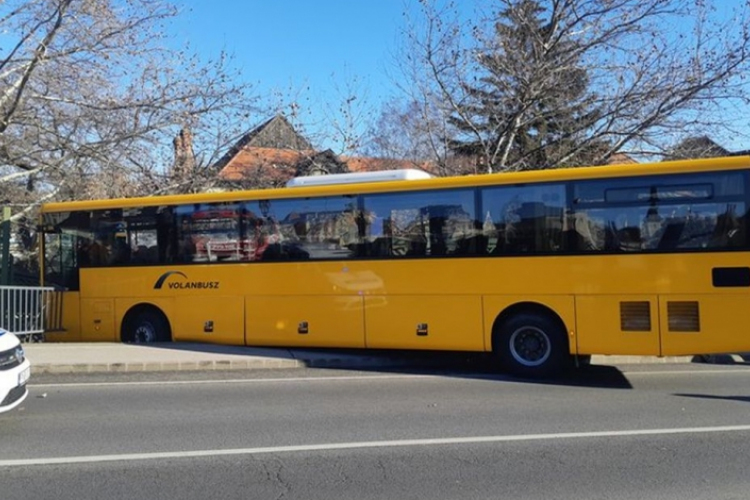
[[29, 311]]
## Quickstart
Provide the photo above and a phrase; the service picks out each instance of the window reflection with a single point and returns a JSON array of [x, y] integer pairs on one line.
[[209, 232], [301, 229], [700, 226], [432, 223], [690, 212], [524, 219], [706, 211]]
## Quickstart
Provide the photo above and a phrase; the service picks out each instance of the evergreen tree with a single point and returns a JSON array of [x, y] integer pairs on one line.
[[531, 100]]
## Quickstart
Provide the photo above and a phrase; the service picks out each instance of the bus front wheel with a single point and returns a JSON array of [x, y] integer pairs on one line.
[[145, 326], [531, 345]]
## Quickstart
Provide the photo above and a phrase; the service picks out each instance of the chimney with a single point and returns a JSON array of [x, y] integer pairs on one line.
[[184, 157]]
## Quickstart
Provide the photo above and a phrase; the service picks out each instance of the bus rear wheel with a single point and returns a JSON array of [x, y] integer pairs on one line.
[[531, 345], [145, 326]]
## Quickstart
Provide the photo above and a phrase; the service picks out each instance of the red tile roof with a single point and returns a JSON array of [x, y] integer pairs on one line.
[[620, 159], [365, 164], [250, 161], [281, 165]]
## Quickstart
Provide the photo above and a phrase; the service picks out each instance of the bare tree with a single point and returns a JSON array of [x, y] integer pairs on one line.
[[401, 131], [337, 122], [345, 114], [92, 97], [529, 84]]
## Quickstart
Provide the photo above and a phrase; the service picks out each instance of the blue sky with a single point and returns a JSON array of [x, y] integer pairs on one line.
[[318, 49], [314, 52]]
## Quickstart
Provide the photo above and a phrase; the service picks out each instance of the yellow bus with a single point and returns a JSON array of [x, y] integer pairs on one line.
[[536, 267]]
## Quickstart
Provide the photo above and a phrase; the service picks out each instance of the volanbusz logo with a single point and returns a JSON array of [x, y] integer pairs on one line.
[[184, 285]]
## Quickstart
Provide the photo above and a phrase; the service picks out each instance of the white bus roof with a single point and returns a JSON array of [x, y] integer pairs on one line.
[[408, 174]]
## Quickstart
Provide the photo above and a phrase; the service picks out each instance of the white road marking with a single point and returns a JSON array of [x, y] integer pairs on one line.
[[365, 445]]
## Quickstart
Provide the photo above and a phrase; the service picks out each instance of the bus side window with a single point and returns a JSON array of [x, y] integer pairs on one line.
[[417, 248], [185, 249], [473, 245], [670, 238], [381, 247], [120, 252], [98, 253], [527, 219], [730, 230]]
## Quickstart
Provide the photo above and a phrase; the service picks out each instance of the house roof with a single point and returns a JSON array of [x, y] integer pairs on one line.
[[369, 164], [247, 162], [274, 133], [620, 159], [283, 164], [697, 147], [274, 152]]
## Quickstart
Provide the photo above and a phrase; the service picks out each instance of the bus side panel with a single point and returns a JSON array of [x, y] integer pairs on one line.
[[704, 324], [618, 324], [562, 305], [305, 321], [98, 320], [71, 320], [451, 322], [217, 320], [122, 306]]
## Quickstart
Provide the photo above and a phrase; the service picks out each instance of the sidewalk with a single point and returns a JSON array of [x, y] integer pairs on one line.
[[169, 357]]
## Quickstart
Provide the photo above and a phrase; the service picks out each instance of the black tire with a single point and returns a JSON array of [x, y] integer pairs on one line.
[[532, 345], [145, 327]]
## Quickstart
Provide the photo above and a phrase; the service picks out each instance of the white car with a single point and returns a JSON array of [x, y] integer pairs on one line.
[[14, 372]]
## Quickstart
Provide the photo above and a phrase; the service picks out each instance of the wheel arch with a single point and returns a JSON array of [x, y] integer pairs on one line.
[[140, 308]]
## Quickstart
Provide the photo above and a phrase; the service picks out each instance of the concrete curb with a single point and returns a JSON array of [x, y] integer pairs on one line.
[[218, 365], [69, 358], [640, 360], [230, 365], [367, 363], [709, 359]]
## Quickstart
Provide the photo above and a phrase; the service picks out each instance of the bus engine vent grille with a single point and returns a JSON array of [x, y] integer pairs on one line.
[[635, 316], [683, 316]]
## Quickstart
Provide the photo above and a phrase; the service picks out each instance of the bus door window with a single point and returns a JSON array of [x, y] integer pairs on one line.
[[65, 236]]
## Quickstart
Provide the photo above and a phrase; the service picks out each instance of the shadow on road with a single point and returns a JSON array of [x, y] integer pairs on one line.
[[444, 363], [741, 399], [481, 367]]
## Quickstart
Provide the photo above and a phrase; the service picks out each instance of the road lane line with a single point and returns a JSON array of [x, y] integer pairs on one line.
[[365, 445]]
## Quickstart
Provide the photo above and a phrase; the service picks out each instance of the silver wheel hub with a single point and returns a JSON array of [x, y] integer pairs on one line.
[[530, 346]]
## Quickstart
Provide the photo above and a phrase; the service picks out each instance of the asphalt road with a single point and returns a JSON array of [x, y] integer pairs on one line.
[[662, 432]]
